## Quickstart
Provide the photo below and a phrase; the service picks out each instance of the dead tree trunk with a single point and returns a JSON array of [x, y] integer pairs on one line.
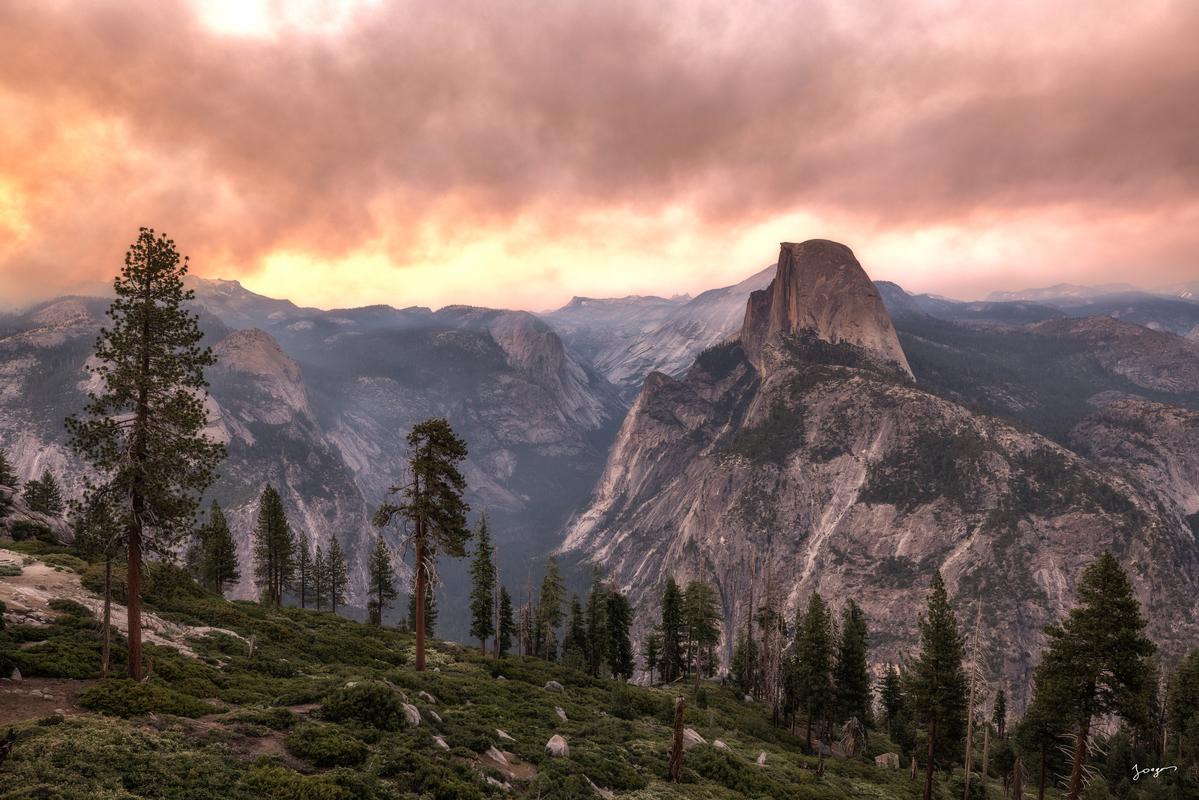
[[676, 746]]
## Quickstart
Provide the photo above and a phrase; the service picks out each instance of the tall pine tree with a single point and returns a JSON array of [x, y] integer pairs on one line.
[[811, 672], [8, 475], [596, 615], [890, 695], [939, 682], [482, 586], [336, 577], [549, 611], [142, 430], [303, 571], [319, 570], [44, 495], [620, 644], [672, 631], [274, 548], [380, 582], [851, 674], [218, 563], [999, 714], [432, 502], [507, 623], [575, 645], [702, 618], [1097, 660]]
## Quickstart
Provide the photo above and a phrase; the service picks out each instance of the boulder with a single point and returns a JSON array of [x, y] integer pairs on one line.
[[16, 674], [503, 735], [441, 743], [691, 738], [560, 712], [888, 760], [433, 715], [762, 759], [428, 698], [496, 756], [553, 686], [557, 747], [412, 714], [720, 745]]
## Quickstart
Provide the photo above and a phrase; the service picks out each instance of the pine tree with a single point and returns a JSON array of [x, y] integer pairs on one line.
[[507, 623], [8, 475], [482, 586], [890, 695], [939, 682], [653, 654], [811, 679], [218, 565], [999, 714], [432, 502], [1182, 702], [303, 570], [1039, 730], [430, 606], [620, 643], [851, 674], [274, 548], [596, 624], [672, 628], [335, 575], [549, 611], [43, 495], [702, 618], [1096, 662], [99, 535], [575, 645], [380, 582], [319, 570], [745, 664], [142, 430]]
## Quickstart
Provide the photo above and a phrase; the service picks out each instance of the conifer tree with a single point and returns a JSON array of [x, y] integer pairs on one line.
[[507, 623], [335, 575], [999, 714], [274, 548], [218, 565], [890, 695], [672, 628], [319, 571], [99, 535], [1182, 703], [303, 570], [1039, 730], [482, 586], [430, 605], [8, 475], [142, 430], [574, 646], [701, 614], [851, 674], [596, 621], [939, 681], [432, 502], [43, 495], [549, 611], [620, 644], [1096, 662], [380, 582], [653, 655], [812, 667]]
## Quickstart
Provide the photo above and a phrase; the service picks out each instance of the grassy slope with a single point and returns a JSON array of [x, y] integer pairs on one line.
[[232, 726]]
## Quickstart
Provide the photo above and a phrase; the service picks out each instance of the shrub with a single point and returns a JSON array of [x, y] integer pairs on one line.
[[23, 530], [374, 704], [9, 570], [277, 783], [277, 719], [428, 777], [126, 698], [70, 608], [65, 561], [325, 746]]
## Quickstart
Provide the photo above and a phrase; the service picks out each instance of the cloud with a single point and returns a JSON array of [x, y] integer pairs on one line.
[[514, 152]]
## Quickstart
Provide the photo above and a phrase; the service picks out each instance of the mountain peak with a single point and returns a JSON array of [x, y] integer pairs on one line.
[[820, 288]]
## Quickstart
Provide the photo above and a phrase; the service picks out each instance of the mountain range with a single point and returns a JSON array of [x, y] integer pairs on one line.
[[805, 429]]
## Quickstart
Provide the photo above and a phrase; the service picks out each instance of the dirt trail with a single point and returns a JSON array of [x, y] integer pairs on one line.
[[28, 595], [33, 698]]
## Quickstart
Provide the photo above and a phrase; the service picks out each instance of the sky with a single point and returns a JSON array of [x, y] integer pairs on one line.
[[516, 153]]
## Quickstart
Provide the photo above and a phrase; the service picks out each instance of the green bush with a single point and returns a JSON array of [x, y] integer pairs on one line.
[[426, 777], [277, 783], [277, 719], [23, 530], [372, 703], [10, 570], [70, 608], [65, 561], [325, 746], [126, 698]]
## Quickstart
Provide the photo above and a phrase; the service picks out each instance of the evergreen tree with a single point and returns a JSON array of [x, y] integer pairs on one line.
[[702, 617], [100, 535], [320, 569], [745, 664], [430, 606], [218, 565], [653, 655], [482, 586], [8, 475], [143, 429], [549, 611], [890, 695], [620, 645], [672, 629], [1039, 731], [1096, 662], [303, 582], [432, 502], [335, 575], [939, 682], [999, 714], [380, 582], [507, 623], [43, 495], [1182, 701], [811, 679], [851, 674], [574, 646], [274, 548], [596, 622]]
